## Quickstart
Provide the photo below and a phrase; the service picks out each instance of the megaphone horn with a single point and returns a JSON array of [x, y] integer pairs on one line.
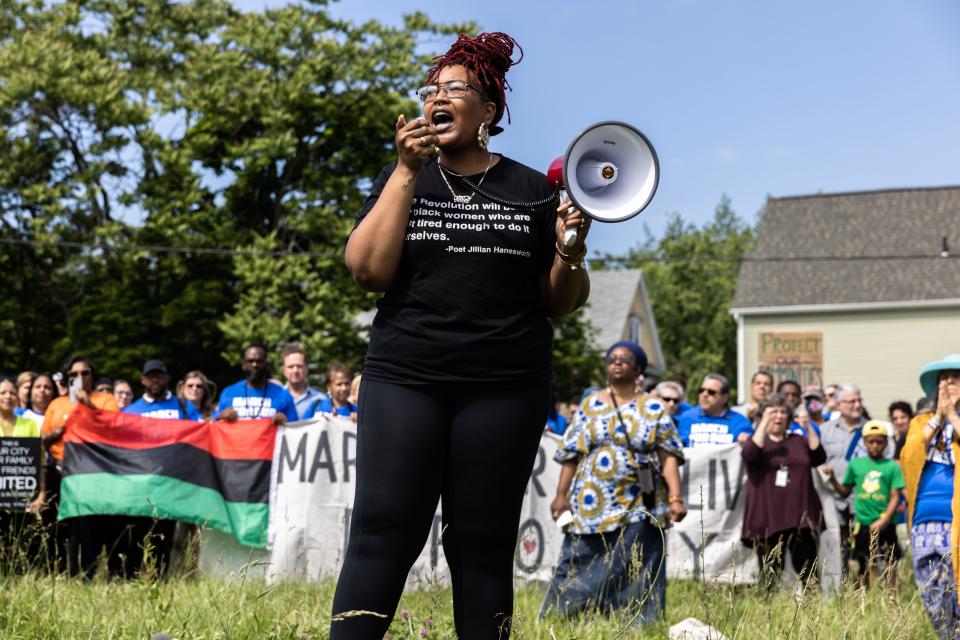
[[610, 172]]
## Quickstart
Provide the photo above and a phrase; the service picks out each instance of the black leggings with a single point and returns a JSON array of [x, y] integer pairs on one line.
[[472, 448]]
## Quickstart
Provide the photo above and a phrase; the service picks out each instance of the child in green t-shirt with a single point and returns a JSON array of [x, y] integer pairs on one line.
[[876, 483]]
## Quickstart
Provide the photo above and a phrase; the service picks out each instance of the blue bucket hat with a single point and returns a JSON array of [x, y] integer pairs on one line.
[[633, 348], [930, 373]]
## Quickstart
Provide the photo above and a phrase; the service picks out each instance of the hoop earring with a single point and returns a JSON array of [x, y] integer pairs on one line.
[[483, 136]]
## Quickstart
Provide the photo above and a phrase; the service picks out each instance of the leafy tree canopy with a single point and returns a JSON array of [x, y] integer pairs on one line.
[[127, 126], [691, 274]]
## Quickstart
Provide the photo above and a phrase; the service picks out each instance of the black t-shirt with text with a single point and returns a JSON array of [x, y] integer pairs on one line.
[[466, 303]]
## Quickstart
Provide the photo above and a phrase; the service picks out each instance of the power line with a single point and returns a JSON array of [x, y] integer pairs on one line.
[[227, 251], [158, 248]]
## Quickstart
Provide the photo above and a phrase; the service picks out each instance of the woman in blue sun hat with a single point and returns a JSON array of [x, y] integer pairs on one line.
[[619, 489], [928, 460]]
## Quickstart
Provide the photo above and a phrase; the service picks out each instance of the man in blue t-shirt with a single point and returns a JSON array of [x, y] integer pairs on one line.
[[255, 396], [712, 422], [157, 400]]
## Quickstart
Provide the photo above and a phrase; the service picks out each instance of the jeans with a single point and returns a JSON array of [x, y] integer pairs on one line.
[[622, 569]]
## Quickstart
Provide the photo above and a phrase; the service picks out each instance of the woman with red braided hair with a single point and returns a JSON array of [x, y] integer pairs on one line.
[[456, 384]]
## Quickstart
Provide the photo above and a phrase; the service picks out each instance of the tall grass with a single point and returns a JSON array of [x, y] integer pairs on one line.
[[35, 604], [44, 606]]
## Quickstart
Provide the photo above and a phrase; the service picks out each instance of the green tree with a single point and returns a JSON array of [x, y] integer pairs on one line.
[[577, 362], [140, 137], [691, 273]]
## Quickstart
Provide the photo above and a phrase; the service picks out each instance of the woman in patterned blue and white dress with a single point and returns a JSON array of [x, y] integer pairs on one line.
[[620, 481]]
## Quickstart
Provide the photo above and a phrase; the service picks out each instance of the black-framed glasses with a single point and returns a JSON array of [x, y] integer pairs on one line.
[[709, 392], [614, 359], [670, 400], [86, 373], [453, 89]]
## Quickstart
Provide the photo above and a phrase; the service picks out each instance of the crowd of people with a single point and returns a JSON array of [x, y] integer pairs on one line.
[[881, 472], [37, 405], [619, 484]]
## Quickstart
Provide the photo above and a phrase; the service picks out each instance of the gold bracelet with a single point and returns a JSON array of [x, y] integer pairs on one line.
[[574, 261], [673, 499]]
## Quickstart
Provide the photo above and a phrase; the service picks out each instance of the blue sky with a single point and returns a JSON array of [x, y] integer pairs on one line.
[[745, 98]]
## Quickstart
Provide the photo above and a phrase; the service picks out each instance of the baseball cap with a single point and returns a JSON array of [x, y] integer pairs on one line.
[[875, 428], [812, 391], [154, 365]]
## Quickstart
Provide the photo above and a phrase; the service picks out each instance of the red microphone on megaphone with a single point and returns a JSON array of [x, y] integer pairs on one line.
[[609, 172]]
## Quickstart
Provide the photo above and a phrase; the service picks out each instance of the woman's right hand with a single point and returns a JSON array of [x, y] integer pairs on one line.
[[559, 505], [765, 418], [416, 141]]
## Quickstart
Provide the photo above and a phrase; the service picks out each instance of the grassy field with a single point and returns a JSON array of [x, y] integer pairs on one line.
[[41, 606]]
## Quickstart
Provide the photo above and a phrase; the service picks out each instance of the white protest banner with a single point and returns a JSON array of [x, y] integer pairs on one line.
[[314, 475], [312, 489], [706, 544]]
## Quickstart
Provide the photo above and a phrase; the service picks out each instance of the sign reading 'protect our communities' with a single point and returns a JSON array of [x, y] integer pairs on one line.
[[792, 356]]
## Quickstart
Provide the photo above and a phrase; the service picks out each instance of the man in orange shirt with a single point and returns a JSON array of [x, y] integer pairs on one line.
[[54, 426]]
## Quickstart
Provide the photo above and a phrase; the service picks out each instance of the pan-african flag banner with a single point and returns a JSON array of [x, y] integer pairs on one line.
[[215, 474]]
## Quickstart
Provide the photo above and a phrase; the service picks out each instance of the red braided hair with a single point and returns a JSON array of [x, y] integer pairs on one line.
[[489, 56]]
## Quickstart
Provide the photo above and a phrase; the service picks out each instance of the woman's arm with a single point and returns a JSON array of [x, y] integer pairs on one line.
[[759, 436], [375, 246], [566, 289], [751, 453], [561, 502], [671, 475]]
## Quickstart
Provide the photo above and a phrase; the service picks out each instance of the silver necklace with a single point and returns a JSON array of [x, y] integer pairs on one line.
[[462, 199]]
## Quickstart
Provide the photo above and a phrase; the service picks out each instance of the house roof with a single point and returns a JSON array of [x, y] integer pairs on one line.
[[854, 248], [612, 295]]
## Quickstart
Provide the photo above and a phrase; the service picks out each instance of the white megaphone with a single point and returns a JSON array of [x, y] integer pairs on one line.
[[610, 172]]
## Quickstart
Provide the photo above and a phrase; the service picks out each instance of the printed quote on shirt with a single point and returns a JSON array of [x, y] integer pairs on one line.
[[436, 221]]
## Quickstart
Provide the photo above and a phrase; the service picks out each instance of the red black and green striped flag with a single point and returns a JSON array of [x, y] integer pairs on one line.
[[215, 474]]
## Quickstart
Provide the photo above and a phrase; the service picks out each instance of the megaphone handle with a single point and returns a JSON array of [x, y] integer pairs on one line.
[[570, 235]]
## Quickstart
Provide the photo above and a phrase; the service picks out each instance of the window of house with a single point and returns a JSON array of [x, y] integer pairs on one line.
[[634, 328]]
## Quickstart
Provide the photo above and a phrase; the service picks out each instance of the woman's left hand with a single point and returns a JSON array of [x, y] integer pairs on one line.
[[678, 511], [569, 217], [949, 408]]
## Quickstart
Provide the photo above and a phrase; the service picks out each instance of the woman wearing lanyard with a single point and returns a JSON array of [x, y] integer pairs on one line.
[[620, 488], [783, 510], [456, 383]]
